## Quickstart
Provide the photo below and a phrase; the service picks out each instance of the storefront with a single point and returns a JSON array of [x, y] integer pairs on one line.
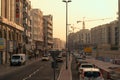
[[10, 37]]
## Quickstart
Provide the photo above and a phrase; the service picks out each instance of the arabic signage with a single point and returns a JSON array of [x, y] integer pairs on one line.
[[17, 10]]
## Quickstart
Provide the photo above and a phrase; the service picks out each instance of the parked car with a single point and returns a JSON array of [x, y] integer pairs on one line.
[[91, 74], [45, 58], [18, 59]]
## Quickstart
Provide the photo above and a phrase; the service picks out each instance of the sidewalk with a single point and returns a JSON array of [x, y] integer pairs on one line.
[[66, 74], [6, 68]]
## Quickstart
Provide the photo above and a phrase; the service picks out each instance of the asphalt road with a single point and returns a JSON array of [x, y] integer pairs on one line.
[[40, 70]]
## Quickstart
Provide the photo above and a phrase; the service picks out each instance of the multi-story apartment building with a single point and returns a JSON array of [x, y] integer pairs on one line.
[[26, 22], [73, 41], [14, 24], [58, 44], [10, 32], [84, 36], [106, 34], [113, 34], [37, 29], [80, 39], [99, 35], [48, 31]]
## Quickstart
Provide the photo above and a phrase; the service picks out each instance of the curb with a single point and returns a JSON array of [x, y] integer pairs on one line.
[[62, 70]]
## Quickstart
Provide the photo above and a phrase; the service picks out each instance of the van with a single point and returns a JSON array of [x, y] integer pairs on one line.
[[18, 59]]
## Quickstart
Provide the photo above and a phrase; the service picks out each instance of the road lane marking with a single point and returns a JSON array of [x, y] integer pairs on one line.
[[31, 74]]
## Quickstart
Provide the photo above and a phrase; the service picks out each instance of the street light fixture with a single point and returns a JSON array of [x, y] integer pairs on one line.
[[66, 1]]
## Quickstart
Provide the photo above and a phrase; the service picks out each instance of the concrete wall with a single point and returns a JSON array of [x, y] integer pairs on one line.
[[110, 54]]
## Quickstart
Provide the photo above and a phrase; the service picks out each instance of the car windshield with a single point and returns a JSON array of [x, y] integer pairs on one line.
[[87, 66], [92, 74], [15, 57], [45, 55]]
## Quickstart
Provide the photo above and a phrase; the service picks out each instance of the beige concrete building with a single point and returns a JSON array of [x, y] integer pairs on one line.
[[106, 34], [26, 21], [58, 44], [48, 31], [73, 41], [99, 35], [84, 36], [14, 23], [10, 32], [37, 28], [80, 39]]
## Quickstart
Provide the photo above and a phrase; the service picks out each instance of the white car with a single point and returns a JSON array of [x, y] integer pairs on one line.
[[91, 74], [85, 65], [45, 58]]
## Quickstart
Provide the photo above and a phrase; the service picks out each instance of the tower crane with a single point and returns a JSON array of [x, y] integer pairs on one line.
[[73, 28], [83, 21]]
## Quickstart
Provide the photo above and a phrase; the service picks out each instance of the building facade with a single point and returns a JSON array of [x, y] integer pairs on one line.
[[25, 6], [58, 44], [102, 31], [80, 39], [85, 36], [37, 29], [108, 35], [10, 32], [48, 32]]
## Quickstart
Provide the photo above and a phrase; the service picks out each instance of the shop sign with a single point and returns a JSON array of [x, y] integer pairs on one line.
[[2, 44]]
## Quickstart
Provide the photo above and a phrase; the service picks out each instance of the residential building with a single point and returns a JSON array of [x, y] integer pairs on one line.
[[80, 39], [58, 44], [102, 31], [48, 32], [10, 32], [108, 34], [37, 29], [73, 41], [84, 37], [25, 6]]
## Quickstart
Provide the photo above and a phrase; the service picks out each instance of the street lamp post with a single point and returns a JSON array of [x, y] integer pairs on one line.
[[66, 1]]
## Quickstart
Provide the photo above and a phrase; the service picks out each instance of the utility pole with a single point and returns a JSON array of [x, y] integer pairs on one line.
[[66, 1], [119, 23]]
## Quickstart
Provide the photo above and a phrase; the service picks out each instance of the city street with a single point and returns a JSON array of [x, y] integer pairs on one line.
[[39, 70], [50, 39]]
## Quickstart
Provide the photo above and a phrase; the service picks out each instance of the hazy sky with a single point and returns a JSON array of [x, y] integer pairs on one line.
[[77, 9]]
